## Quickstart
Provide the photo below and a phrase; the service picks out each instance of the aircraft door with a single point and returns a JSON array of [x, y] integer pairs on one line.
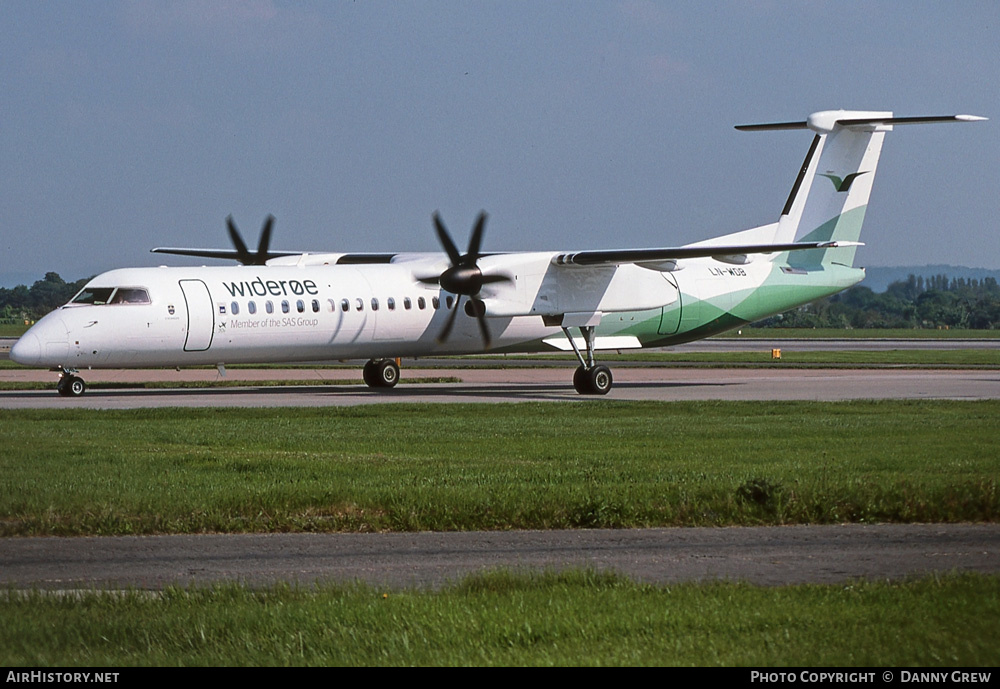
[[200, 315], [670, 316]]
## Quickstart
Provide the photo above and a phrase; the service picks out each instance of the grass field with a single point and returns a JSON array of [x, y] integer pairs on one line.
[[861, 333], [502, 618], [461, 467], [924, 358], [414, 467]]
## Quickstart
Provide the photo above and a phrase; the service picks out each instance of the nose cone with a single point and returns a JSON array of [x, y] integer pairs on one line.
[[27, 350]]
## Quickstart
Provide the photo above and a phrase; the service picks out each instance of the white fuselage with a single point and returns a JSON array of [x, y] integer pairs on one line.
[[276, 313]]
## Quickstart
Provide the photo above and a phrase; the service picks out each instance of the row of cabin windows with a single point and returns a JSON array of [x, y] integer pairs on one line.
[[390, 303], [345, 305], [300, 306]]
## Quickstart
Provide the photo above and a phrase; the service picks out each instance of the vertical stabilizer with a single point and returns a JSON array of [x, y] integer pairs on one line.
[[835, 206], [830, 195]]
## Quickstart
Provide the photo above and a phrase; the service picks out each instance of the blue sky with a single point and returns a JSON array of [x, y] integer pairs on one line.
[[129, 125]]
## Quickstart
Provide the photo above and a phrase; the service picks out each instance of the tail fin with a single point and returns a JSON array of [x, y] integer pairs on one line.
[[830, 194]]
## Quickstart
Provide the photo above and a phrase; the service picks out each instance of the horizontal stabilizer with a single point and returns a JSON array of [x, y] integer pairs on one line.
[[826, 121]]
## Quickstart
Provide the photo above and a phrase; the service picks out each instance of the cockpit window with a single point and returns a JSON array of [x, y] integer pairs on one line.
[[93, 295], [130, 295], [98, 296]]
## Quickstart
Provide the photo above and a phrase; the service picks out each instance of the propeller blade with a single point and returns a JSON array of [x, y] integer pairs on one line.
[[446, 330], [490, 279], [243, 254], [265, 240], [476, 239], [484, 329], [445, 239]]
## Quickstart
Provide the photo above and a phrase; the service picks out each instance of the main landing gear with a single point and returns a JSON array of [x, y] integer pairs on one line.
[[70, 384], [381, 373], [590, 378]]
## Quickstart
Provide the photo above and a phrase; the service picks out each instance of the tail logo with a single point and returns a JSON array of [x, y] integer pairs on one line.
[[844, 184]]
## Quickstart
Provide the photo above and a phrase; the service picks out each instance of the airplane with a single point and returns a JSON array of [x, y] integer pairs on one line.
[[280, 306]]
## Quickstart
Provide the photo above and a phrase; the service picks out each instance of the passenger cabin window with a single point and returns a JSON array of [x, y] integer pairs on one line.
[[436, 303], [345, 305], [449, 301], [284, 306], [421, 303], [374, 304], [252, 307], [269, 307], [300, 306], [315, 305], [359, 304], [407, 304], [234, 308], [390, 304]]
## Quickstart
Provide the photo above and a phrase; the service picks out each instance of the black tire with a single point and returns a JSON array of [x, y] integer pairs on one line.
[[369, 374], [388, 373], [599, 380], [580, 381], [71, 386]]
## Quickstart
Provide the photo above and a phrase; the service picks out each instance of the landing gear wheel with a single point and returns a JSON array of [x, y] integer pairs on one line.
[[381, 374], [71, 386], [599, 378], [593, 381], [388, 373]]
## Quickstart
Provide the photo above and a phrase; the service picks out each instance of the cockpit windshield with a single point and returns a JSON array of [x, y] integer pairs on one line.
[[97, 296], [130, 295]]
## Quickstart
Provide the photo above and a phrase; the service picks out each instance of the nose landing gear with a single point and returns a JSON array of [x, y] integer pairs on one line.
[[70, 384]]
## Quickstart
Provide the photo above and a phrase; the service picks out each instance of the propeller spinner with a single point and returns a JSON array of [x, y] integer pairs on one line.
[[464, 277]]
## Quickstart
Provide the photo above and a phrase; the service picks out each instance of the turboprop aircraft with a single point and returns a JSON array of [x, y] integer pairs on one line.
[[292, 307]]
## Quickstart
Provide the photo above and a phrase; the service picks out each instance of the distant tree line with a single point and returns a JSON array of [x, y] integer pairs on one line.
[[23, 303], [935, 302]]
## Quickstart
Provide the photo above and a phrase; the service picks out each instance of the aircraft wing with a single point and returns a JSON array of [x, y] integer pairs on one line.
[[641, 256], [235, 255]]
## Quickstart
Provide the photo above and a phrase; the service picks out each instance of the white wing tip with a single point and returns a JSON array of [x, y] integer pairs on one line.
[[839, 243]]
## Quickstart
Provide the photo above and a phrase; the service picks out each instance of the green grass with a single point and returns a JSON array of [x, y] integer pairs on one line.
[[510, 619], [505, 466], [861, 333], [12, 330], [922, 358]]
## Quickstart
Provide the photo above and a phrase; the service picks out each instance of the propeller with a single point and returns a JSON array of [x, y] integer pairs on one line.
[[464, 277], [243, 254]]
